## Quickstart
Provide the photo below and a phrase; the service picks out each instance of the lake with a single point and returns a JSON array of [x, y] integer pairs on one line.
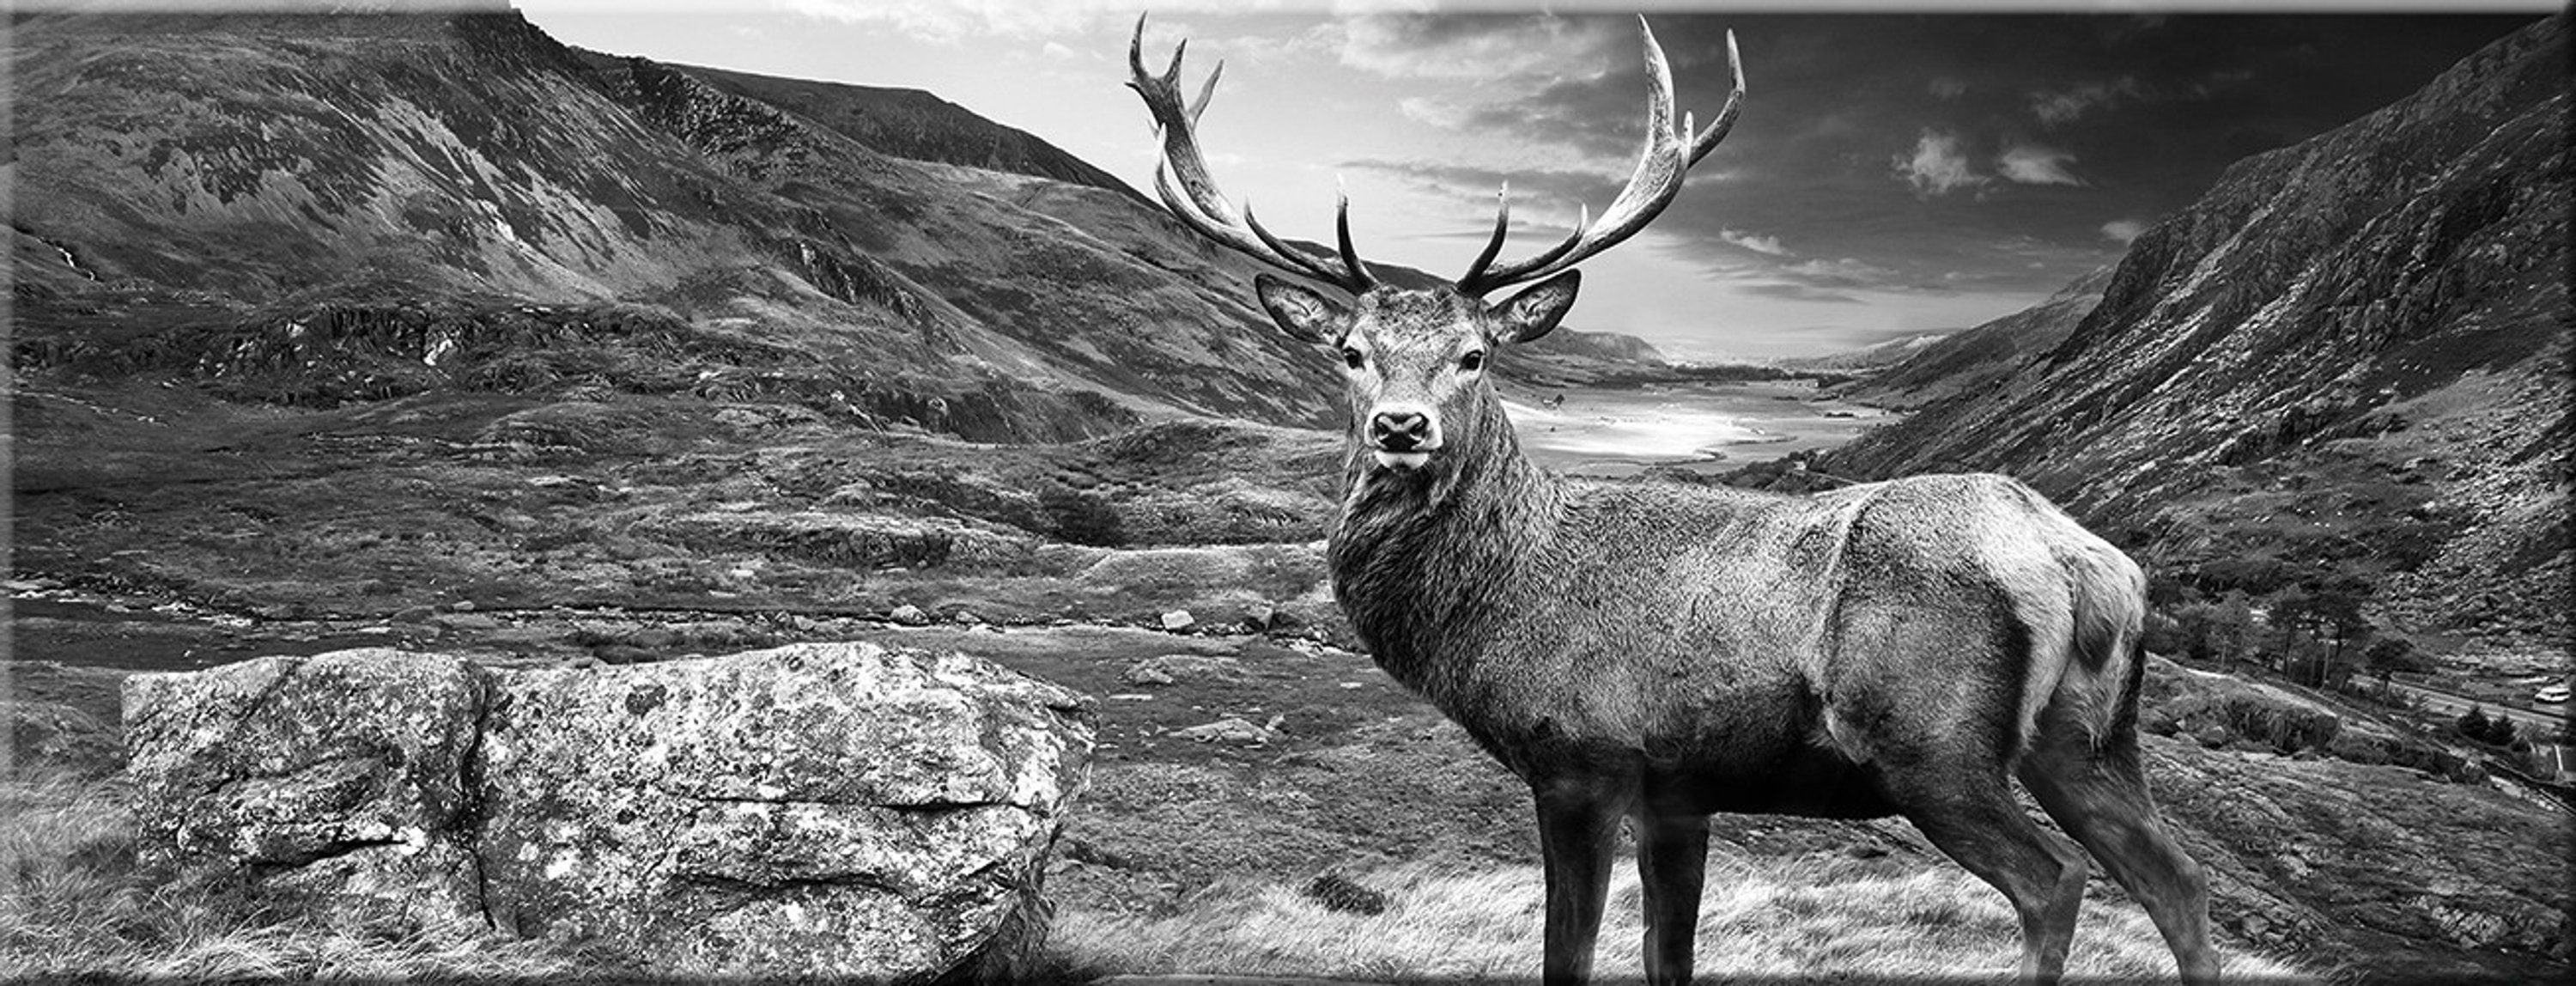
[[1702, 426]]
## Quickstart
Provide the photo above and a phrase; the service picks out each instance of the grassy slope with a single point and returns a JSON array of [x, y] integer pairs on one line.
[[633, 528], [2328, 862]]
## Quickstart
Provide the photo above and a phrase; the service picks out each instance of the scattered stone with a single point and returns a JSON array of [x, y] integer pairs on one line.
[[1145, 673], [1179, 620], [1260, 617], [1185, 667], [1227, 730], [462, 606], [1864, 850], [909, 615], [967, 617], [741, 418], [2212, 736], [1338, 893]]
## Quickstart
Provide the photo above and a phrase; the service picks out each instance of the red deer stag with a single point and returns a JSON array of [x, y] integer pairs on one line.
[[1663, 652]]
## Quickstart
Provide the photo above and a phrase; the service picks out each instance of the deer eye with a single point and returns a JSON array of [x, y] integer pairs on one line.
[[1473, 361], [1351, 356]]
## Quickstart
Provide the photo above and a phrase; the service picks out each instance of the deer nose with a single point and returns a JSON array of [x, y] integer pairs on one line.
[[1399, 431]]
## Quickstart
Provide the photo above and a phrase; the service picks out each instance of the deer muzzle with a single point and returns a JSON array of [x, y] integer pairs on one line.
[[1402, 438]]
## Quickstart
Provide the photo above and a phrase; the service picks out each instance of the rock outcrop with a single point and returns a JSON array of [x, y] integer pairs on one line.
[[820, 809]]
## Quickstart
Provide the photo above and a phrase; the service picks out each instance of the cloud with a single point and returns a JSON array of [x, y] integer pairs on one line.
[[1790, 291], [1547, 189], [2123, 230], [2034, 164], [1446, 114], [2057, 107], [1847, 272], [1947, 87], [1938, 165], [1769, 245], [1485, 49], [954, 21]]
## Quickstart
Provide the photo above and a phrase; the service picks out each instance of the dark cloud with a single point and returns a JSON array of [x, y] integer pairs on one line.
[[1959, 151]]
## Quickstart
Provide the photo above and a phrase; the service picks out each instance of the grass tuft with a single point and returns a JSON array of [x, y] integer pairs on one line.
[[74, 904], [1807, 918]]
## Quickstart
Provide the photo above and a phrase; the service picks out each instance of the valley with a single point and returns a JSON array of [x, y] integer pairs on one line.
[[495, 347]]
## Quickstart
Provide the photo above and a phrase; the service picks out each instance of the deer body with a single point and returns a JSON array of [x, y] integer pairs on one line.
[[1707, 643], [1653, 653]]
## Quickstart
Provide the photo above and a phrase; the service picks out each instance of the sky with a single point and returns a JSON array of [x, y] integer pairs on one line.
[[1897, 169]]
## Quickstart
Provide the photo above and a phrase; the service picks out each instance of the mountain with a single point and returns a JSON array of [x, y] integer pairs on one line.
[[322, 208], [311, 205], [1938, 367], [2349, 357], [905, 123], [1867, 359]]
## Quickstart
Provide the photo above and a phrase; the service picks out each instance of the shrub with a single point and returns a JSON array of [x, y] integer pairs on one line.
[[2473, 723]]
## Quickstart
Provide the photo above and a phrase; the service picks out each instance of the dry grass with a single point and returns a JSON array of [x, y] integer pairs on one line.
[[1820, 917], [73, 905]]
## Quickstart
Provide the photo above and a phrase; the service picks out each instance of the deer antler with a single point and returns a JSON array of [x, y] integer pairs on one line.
[[1204, 208], [1669, 154]]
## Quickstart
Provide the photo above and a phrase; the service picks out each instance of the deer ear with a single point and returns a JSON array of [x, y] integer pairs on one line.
[[1301, 311], [1535, 312]]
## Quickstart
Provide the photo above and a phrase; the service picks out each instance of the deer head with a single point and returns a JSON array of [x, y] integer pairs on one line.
[[1415, 359]]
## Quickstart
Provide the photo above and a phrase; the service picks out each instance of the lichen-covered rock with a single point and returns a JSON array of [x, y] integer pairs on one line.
[[831, 809], [820, 809], [338, 779]]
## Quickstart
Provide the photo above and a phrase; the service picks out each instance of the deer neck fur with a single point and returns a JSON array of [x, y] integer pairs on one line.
[[1426, 561]]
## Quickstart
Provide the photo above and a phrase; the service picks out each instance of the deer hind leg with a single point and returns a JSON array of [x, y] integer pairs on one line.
[[1576, 827], [2100, 797], [1672, 863], [1967, 810]]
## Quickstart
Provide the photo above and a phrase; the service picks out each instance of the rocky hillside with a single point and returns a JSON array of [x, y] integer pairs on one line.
[[1866, 359], [2349, 356], [317, 209], [357, 207], [906, 123], [1971, 361]]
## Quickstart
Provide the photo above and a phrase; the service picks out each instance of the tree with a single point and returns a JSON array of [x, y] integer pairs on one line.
[[2164, 591], [2386, 656], [2287, 614], [2500, 730], [2231, 629], [2473, 723], [2333, 612]]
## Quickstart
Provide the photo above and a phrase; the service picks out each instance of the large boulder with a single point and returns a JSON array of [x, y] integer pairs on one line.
[[820, 809]]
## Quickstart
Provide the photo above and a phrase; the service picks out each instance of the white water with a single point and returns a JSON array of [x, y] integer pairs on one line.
[[1612, 432]]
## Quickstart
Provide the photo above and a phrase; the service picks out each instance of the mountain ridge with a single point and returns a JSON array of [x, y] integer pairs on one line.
[[2348, 356], [202, 183]]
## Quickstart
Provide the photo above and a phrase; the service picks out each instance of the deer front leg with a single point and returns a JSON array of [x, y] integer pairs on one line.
[[1576, 824], [1672, 863]]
